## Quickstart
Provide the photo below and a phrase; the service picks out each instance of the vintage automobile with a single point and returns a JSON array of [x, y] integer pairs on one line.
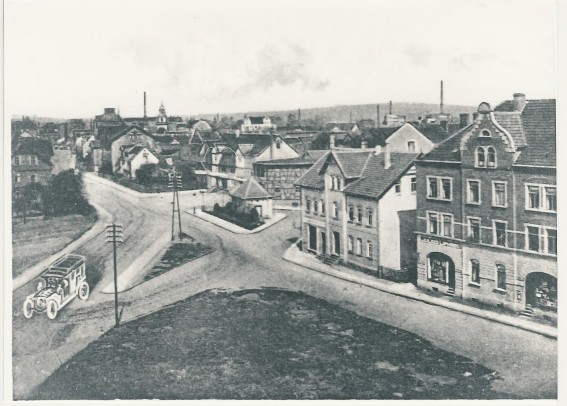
[[61, 282]]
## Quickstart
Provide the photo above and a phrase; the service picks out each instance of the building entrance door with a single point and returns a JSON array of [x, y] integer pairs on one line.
[[337, 243]]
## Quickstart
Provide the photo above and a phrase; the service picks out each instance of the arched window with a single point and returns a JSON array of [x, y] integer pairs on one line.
[[500, 277], [480, 157], [491, 161]]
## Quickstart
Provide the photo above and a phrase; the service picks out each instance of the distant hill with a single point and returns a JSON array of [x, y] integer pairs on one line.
[[359, 111]]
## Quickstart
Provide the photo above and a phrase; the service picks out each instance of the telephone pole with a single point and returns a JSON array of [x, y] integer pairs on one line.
[[115, 236], [174, 183]]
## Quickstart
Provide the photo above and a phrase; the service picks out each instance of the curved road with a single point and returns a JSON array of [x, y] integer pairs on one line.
[[526, 361]]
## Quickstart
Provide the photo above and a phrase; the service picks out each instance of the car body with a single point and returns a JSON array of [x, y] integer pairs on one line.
[[60, 283]]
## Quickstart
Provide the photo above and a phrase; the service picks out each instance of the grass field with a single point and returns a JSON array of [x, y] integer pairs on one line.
[[263, 344], [39, 238]]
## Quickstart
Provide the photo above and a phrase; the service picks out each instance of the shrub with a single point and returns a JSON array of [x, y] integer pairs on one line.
[[145, 173]]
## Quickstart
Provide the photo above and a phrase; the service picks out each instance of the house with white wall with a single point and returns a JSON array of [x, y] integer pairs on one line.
[[133, 158], [358, 209]]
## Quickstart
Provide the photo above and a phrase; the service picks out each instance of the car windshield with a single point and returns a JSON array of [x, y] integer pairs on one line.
[[52, 282]]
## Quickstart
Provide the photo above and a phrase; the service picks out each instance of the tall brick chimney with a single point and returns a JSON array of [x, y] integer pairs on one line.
[[519, 101], [331, 141], [463, 120], [145, 115], [441, 105]]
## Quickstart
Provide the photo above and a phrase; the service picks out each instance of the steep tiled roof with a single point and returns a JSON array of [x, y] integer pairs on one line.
[[538, 119], [512, 122], [315, 154], [434, 132], [352, 163], [506, 105], [250, 189], [312, 178], [377, 180], [448, 150], [34, 146], [127, 129], [299, 161]]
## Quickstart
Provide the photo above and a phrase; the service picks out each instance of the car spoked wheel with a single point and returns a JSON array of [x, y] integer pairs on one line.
[[51, 309], [84, 291], [28, 309]]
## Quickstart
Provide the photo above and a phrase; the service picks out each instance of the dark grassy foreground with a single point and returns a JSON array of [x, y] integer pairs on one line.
[[263, 344]]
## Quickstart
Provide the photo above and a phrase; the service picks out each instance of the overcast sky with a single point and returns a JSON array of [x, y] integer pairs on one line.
[[73, 58]]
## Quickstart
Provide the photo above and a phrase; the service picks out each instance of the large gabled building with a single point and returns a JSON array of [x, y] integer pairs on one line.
[[358, 209], [487, 209]]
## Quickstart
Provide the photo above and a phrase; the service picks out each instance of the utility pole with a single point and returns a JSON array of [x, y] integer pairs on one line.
[[174, 183], [115, 236]]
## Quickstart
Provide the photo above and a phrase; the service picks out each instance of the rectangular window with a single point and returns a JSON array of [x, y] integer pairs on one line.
[[533, 238], [315, 206], [411, 146], [308, 205], [350, 244], [335, 210], [447, 225], [433, 223], [439, 188], [369, 215], [358, 246], [369, 249], [475, 271], [322, 207], [16, 160], [32, 178], [17, 178], [351, 213], [398, 187], [500, 277], [551, 234], [541, 197], [550, 198], [413, 184], [359, 214], [474, 229], [499, 198], [34, 160], [473, 191], [446, 184], [500, 233], [432, 188]]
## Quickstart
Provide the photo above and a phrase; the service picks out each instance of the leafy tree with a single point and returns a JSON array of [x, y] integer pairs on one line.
[[321, 141], [145, 173], [187, 172], [65, 195]]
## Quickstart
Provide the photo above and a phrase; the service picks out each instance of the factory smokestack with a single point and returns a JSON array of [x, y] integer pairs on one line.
[[377, 116], [145, 115], [298, 117], [441, 106], [390, 111]]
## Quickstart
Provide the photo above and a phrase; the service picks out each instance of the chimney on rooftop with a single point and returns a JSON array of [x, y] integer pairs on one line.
[[145, 115], [364, 144], [387, 161], [475, 115], [441, 106], [331, 141], [377, 150], [463, 120], [519, 101]]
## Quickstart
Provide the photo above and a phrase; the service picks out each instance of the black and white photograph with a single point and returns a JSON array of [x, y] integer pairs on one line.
[[281, 200]]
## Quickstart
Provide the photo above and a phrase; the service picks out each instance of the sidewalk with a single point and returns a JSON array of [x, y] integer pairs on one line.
[[103, 218], [233, 228], [293, 254]]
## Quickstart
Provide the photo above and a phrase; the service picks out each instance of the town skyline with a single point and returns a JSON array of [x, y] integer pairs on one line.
[[302, 60]]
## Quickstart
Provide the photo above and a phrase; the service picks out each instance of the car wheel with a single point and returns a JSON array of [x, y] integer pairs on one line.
[[28, 308], [52, 309], [84, 291]]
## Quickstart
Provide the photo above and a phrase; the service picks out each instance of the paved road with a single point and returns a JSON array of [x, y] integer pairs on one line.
[[526, 361]]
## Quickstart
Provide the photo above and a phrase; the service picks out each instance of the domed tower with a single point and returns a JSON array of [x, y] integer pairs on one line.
[[162, 119]]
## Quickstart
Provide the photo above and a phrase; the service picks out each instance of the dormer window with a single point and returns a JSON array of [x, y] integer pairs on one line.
[[480, 158], [485, 133]]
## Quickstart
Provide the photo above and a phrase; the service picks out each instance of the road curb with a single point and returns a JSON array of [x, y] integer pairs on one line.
[[233, 228], [97, 228], [547, 331]]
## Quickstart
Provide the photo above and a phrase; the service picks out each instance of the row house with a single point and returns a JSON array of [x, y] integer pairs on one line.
[[358, 209], [487, 209]]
